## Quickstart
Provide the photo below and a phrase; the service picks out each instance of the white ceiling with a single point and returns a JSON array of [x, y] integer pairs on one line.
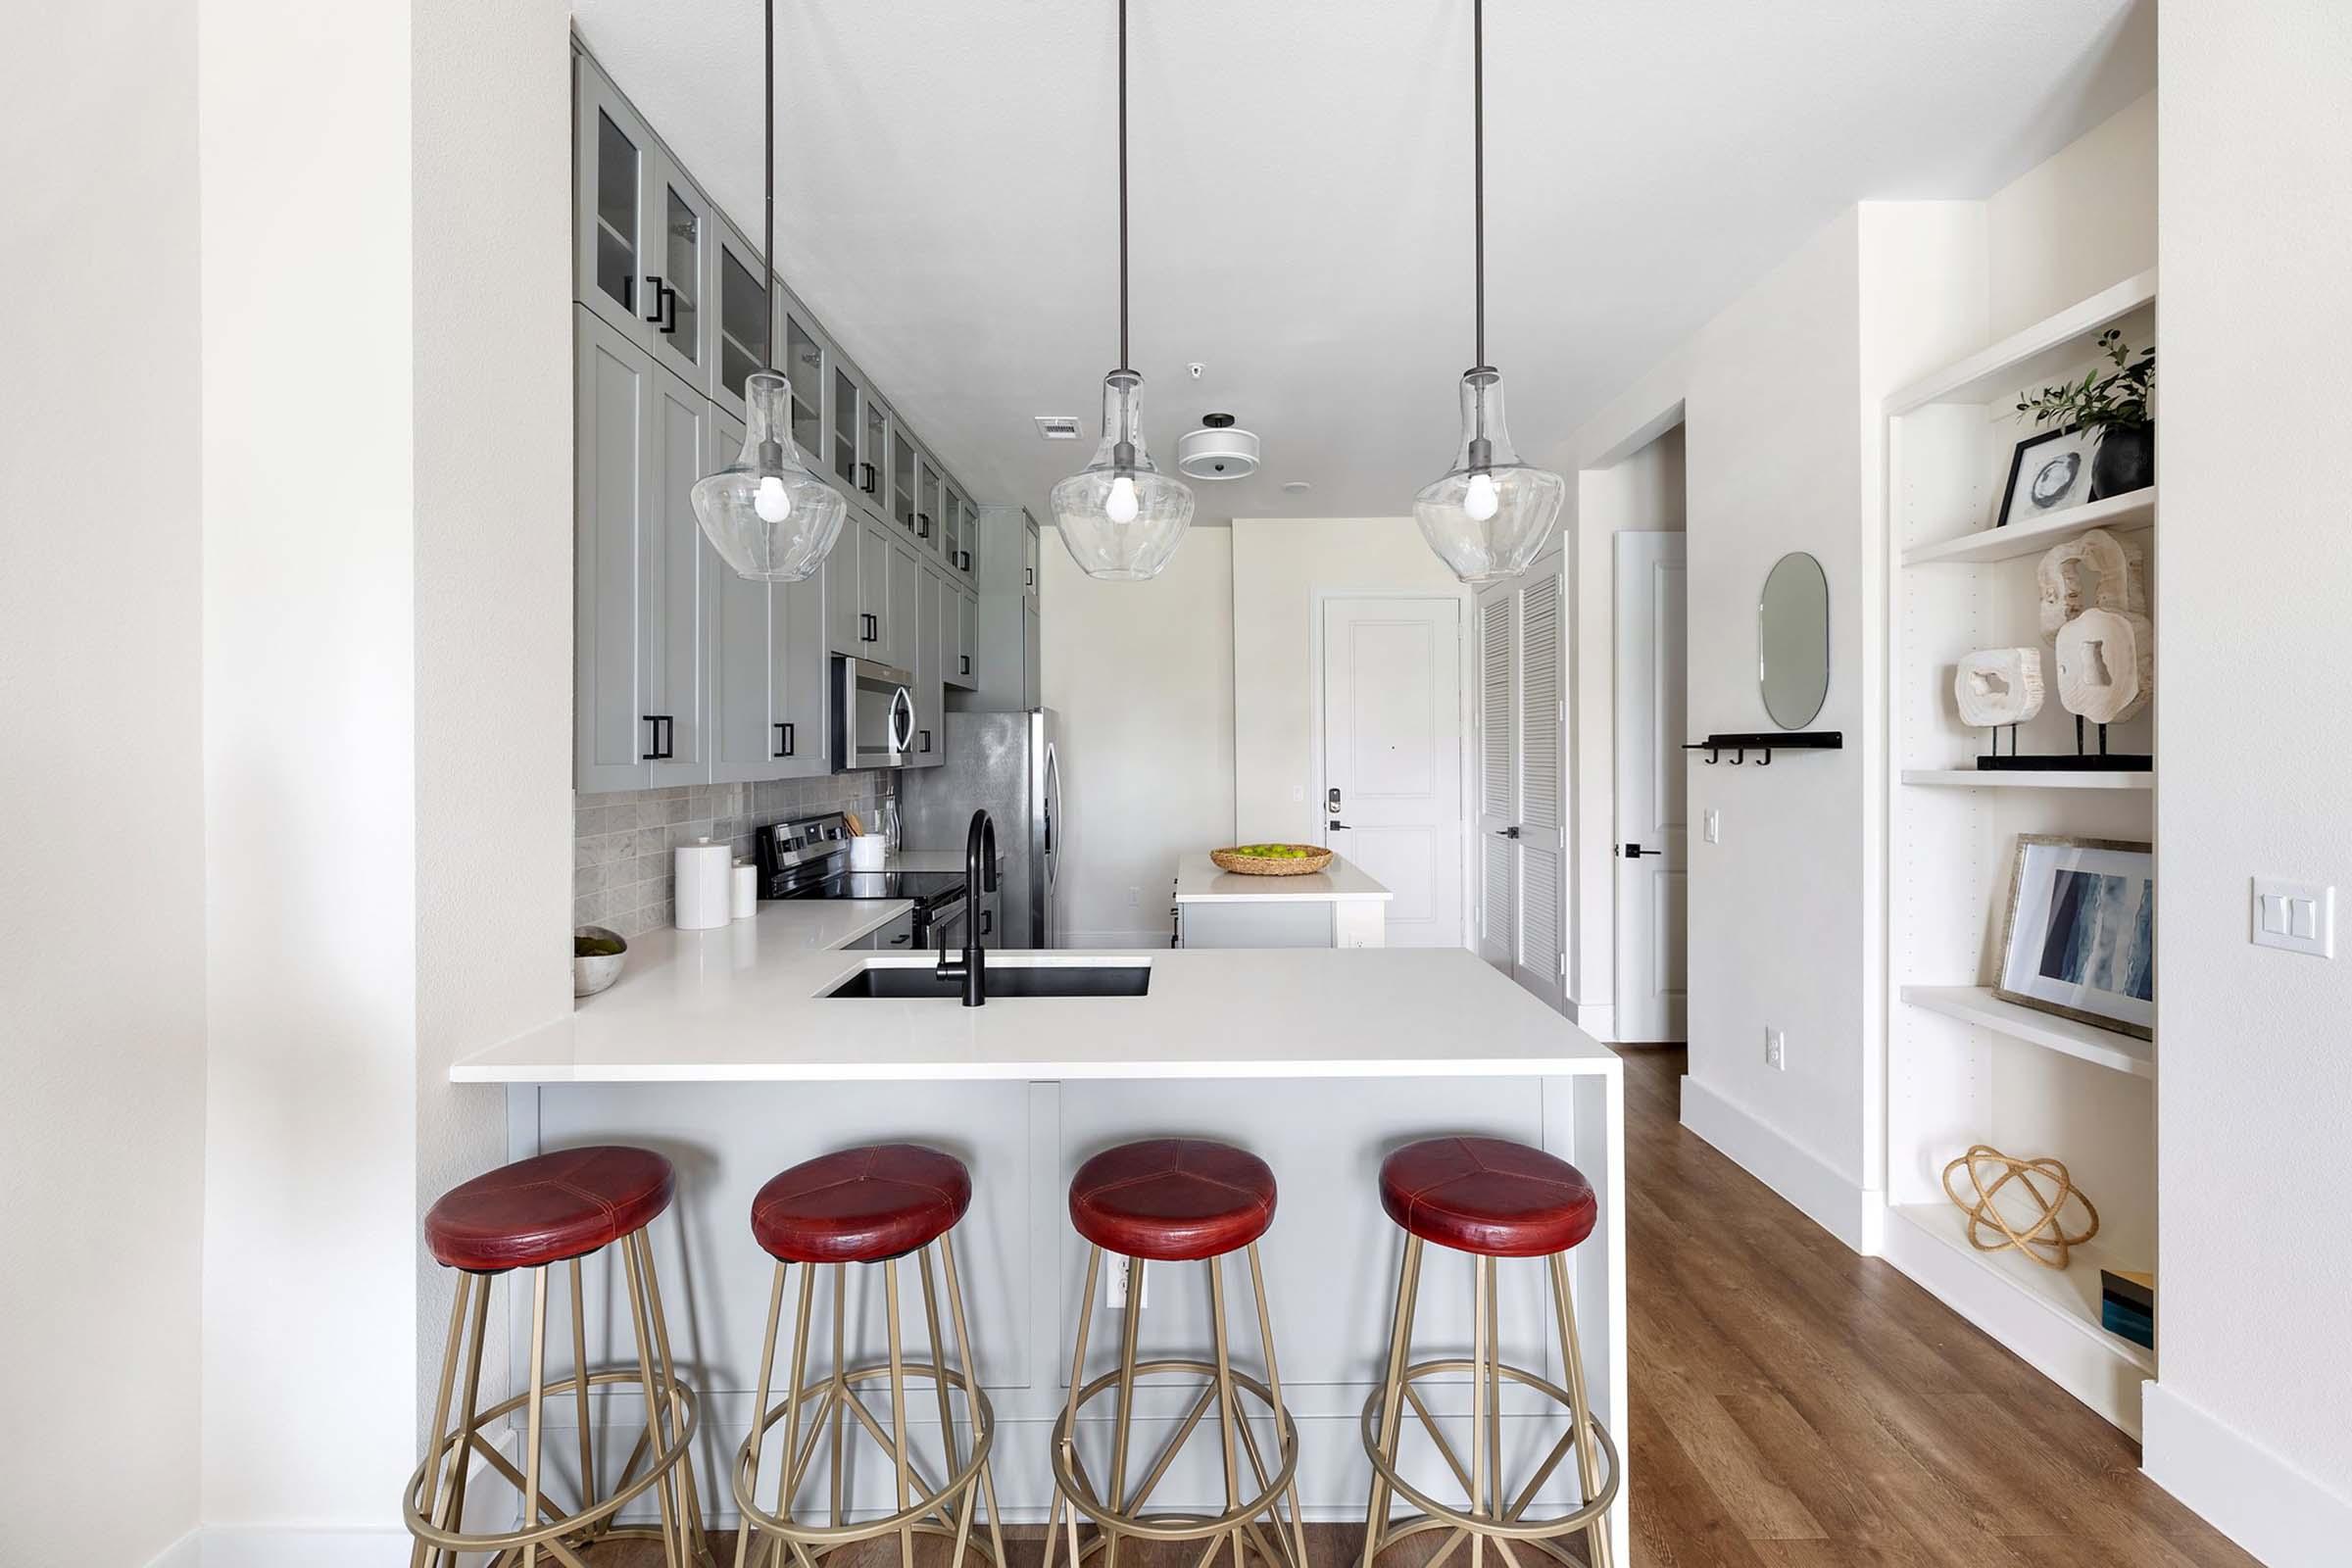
[[947, 198]]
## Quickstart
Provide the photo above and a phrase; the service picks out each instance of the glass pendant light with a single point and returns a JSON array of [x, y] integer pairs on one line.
[[769, 519], [1490, 515], [1121, 517]]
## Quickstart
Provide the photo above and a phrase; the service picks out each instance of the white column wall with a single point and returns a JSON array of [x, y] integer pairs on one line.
[[102, 898]]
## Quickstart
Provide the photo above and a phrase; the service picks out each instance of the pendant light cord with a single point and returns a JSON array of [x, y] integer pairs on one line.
[[1478, 155], [768, 100], [1123, 363]]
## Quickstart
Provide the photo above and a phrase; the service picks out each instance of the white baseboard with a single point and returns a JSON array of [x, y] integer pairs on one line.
[[1596, 1018], [2258, 1500], [297, 1546], [1852, 1213], [185, 1552]]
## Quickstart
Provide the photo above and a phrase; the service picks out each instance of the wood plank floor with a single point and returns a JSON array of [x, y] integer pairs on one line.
[[1797, 1406]]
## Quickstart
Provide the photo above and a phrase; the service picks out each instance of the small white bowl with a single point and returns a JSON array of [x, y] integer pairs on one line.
[[593, 972]]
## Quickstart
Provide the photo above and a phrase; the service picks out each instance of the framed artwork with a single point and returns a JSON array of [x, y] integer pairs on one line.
[[2048, 472], [2080, 936]]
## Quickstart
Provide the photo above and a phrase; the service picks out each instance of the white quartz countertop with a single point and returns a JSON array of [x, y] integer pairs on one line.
[[1199, 881], [747, 1003]]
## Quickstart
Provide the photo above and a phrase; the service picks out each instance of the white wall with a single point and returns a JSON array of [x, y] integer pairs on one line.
[[2254, 560], [493, 579], [1281, 567], [2060, 231], [1142, 677], [309, 764], [101, 906]]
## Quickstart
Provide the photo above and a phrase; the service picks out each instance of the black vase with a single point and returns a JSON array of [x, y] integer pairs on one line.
[[2125, 459]]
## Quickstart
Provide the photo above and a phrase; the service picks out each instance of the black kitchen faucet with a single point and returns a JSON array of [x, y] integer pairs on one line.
[[979, 877]]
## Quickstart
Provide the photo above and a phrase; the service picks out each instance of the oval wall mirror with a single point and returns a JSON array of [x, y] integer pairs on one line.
[[1793, 640]]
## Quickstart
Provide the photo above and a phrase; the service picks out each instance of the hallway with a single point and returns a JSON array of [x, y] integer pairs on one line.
[[1797, 1406]]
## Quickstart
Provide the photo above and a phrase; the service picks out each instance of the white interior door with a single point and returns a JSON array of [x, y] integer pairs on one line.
[[1498, 751], [1651, 875], [1392, 757]]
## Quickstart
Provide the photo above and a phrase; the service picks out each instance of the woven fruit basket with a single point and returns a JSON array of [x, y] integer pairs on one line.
[[1272, 860]]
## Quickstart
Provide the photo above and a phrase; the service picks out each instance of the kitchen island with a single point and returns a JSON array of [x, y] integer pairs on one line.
[[1338, 906], [725, 1050]]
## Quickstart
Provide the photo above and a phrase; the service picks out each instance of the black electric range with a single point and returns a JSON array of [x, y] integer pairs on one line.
[[810, 859]]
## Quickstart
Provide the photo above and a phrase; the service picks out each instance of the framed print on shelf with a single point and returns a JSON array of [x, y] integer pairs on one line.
[[2048, 472], [2081, 937]]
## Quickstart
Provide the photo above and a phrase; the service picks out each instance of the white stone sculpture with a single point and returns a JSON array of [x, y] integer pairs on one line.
[[2106, 666], [1997, 686], [2094, 571]]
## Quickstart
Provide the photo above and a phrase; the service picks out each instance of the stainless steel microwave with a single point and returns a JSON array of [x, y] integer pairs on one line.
[[873, 715]]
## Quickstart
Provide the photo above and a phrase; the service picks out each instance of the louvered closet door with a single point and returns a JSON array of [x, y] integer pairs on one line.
[[1498, 798], [1539, 852]]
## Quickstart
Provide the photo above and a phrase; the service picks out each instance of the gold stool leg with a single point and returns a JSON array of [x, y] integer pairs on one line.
[[461, 1456], [963, 1355], [840, 1390], [691, 1533], [950, 1448], [1265, 1334], [1572, 1356], [657, 1407], [1226, 1412], [530, 1485], [1119, 1449], [794, 1462], [1392, 1397], [1479, 1350], [579, 1378], [746, 1469], [449, 1375], [1069, 1419], [898, 1407]]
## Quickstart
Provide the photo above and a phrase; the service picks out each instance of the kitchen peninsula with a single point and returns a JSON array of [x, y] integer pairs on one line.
[[1338, 906], [726, 1050]]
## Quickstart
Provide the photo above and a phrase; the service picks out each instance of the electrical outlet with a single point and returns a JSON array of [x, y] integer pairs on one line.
[[1114, 1285], [1135, 895], [1776, 1049], [1712, 825]]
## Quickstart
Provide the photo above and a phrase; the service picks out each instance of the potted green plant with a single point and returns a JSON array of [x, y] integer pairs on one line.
[[2113, 409]]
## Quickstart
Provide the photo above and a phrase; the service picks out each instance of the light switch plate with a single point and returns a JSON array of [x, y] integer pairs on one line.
[[2294, 917]]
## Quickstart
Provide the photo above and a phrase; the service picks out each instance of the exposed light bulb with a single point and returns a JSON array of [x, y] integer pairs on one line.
[[1479, 500], [773, 502], [1122, 505]]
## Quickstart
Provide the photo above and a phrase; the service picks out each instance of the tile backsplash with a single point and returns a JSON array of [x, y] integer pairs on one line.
[[621, 842]]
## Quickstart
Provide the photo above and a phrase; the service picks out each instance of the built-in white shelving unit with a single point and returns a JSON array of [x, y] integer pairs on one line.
[[1963, 1066], [1970, 778]]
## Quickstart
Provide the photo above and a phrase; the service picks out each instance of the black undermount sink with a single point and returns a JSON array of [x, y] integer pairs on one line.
[[905, 981]]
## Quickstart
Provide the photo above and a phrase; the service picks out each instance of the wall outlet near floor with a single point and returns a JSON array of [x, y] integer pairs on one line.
[[1114, 1285], [2294, 917], [1135, 895], [1710, 825], [1776, 1049]]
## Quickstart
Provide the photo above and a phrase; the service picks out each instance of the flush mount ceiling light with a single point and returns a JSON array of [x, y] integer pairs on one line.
[[1120, 516], [767, 514], [1216, 450], [1491, 513]]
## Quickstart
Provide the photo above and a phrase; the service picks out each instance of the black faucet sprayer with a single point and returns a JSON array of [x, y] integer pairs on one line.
[[979, 877]]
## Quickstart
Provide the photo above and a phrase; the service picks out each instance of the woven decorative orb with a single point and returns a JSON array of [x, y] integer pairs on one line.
[[2044, 1239]]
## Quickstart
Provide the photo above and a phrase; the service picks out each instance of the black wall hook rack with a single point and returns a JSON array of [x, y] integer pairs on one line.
[[1768, 742]]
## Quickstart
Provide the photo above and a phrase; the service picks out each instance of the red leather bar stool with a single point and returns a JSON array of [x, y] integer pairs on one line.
[[537, 1215], [1492, 1199], [1177, 1200], [857, 1207]]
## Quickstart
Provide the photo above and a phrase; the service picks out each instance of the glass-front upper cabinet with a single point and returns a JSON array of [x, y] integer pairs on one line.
[[741, 341], [873, 450], [966, 540], [641, 231], [905, 499], [930, 516], [805, 363]]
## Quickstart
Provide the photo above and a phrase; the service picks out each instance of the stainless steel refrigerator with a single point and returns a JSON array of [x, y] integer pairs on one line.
[[1009, 765]]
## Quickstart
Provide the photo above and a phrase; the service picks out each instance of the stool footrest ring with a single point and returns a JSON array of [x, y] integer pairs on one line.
[[1436, 1514]]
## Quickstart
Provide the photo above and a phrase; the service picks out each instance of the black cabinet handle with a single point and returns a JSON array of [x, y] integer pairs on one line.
[[784, 739], [653, 751], [665, 305], [865, 485], [963, 561], [926, 746], [923, 526], [663, 737], [899, 941], [967, 664], [1028, 576], [987, 922], [873, 629]]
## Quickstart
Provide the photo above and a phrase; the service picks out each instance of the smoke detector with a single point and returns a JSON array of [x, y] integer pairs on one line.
[[1216, 450]]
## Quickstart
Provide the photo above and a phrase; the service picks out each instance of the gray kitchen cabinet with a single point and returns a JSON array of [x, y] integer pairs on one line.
[[806, 362], [955, 637], [741, 329], [901, 634], [858, 594], [1006, 618], [767, 661], [645, 579], [930, 515], [963, 542], [930, 727], [904, 459], [643, 231]]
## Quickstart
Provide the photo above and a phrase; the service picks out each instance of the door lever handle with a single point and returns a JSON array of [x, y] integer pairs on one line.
[[1506, 832], [1635, 851]]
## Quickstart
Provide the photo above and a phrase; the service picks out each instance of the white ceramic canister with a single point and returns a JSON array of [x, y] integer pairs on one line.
[[705, 873], [746, 888]]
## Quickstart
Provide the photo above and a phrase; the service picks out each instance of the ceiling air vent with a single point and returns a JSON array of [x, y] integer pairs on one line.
[[1057, 426]]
